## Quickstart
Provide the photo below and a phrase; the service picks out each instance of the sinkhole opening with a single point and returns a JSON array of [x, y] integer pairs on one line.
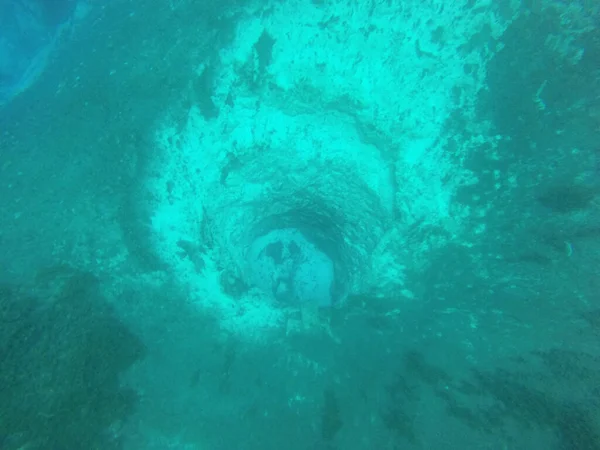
[[291, 269], [298, 264]]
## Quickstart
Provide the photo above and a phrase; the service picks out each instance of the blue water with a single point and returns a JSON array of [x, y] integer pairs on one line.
[[299, 225], [29, 29]]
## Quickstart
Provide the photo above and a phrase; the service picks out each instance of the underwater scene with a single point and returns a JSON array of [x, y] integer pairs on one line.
[[299, 225]]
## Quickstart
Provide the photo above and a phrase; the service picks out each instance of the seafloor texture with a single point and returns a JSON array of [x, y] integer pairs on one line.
[[301, 225], [332, 121]]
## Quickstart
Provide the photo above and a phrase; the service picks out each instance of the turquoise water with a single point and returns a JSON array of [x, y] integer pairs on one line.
[[299, 225]]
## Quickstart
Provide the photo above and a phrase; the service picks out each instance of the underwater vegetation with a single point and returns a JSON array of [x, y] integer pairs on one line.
[[62, 349]]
